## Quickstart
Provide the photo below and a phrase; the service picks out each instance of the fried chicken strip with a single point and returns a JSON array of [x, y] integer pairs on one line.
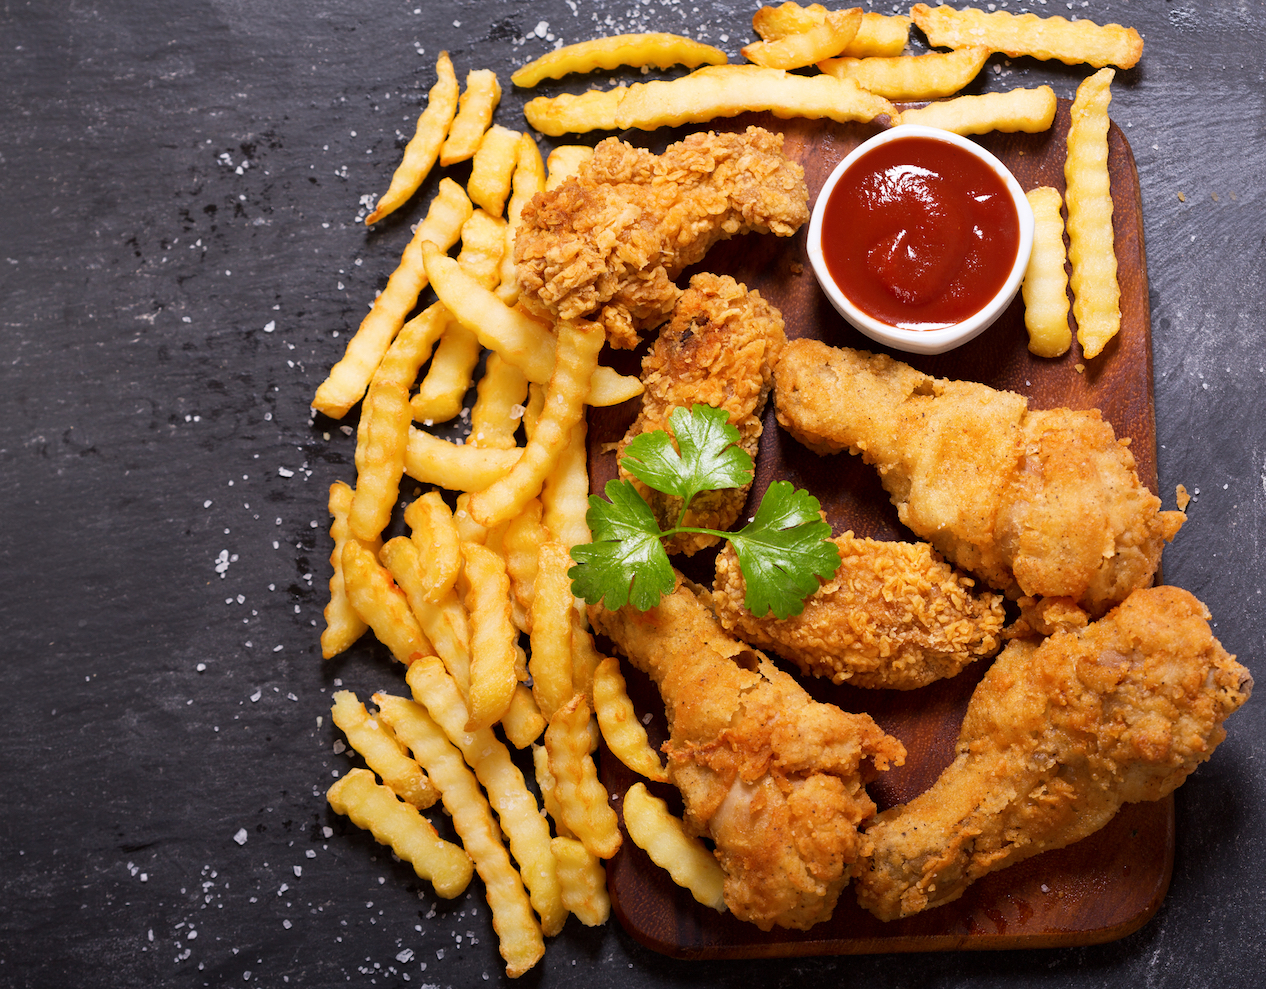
[[1036, 503], [1058, 735], [894, 615], [608, 242], [773, 777], [718, 348]]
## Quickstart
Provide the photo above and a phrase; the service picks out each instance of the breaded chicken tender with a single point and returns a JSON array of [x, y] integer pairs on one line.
[[1057, 736], [718, 348], [774, 778], [1036, 503], [894, 615], [609, 242]]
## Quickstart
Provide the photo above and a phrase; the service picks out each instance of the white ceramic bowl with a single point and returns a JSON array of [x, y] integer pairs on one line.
[[936, 341]]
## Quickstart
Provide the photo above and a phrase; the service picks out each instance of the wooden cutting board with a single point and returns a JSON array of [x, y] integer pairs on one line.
[[1097, 890]]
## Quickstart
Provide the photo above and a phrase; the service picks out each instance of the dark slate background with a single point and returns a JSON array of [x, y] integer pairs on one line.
[[180, 263]]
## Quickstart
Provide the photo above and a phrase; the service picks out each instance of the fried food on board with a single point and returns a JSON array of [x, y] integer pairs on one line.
[[1091, 248], [1028, 34], [824, 39], [474, 114], [492, 171], [773, 778], [1041, 503], [718, 348], [607, 243], [1058, 735], [1045, 286], [424, 147], [655, 49], [377, 745], [617, 719], [1029, 110], [343, 625], [703, 95], [664, 838], [894, 615], [878, 34], [910, 77]]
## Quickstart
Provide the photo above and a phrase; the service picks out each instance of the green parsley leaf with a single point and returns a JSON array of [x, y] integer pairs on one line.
[[626, 559]]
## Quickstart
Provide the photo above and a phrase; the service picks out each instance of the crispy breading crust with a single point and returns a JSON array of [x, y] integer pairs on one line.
[[608, 242], [894, 615]]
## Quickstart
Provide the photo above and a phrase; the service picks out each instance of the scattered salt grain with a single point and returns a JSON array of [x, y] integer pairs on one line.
[[240, 837]]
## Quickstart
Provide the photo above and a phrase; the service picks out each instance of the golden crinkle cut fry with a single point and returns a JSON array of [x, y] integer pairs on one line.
[[348, 379], [825, 39], [474, 114], [492, 172], [622, 731], [432, 460], [1072, 42], [583, 880], [565, 495], [520, 339], [656, 49], [435, 536], [377, 745], [374, 807], [580, 113], [520, 545], [343, 625], [519, 933], [1088, 196], [382, 604], [878, 34], [520, 815], [499, 402], [564, 162], [910, 77], [662, 835], [1028, 110], [528, 180], [582, 799], [486, 593], [550, 663], [424, 147], [579, 344], [523, 721], [1045, 285]]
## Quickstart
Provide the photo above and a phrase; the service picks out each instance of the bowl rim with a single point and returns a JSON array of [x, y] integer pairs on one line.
[[922, 341]]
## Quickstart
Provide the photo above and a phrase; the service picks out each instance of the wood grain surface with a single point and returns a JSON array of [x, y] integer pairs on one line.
[[1095, 891]]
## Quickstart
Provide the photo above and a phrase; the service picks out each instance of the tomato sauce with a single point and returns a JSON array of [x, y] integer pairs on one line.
[[920, 234]]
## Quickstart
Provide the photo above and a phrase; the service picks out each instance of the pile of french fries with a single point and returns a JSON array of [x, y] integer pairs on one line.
[[475, 600]]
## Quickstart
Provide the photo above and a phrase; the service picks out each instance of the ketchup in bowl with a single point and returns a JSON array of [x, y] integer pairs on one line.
[[920, 238]]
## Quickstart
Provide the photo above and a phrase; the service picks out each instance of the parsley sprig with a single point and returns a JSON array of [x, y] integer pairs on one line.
[[782, 552]]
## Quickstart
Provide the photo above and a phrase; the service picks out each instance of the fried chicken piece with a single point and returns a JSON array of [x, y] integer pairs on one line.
[[1058, 735], [894, 615], [608, 242], [774, 778], [1037, 503], [719, 348]]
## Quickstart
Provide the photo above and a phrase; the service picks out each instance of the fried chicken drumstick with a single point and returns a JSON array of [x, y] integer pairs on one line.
[[1035, 503], [608, 242], [1057, 736], [773, 777]]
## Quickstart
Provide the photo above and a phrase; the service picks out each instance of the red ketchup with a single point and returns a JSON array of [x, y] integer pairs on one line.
[[920, 234]]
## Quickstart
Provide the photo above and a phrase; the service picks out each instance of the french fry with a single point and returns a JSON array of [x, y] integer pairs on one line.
[[583, 881], [382, 604], [441, 462], [348, 379], [663, 837], [825, 39], [910, 77], [521, 340], [520, 547], [1070, 42], [1045, 286], [523, 721], [343, 625], [518, 811], [564, 162], [548, 786], [566, 113], [436, 539], [565, 494], [658, 50], [377, 745], [486, 594], [550, 663], [424, 147], [1088, 196], [521, 942], [624, 734], [529, 179], [584, 658], [443, 390], [582, 799], [382, 436], [579, 343], [1029, 110], [878, 34], [492, 171], [474, 113], [369, 805], [498, 407]]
